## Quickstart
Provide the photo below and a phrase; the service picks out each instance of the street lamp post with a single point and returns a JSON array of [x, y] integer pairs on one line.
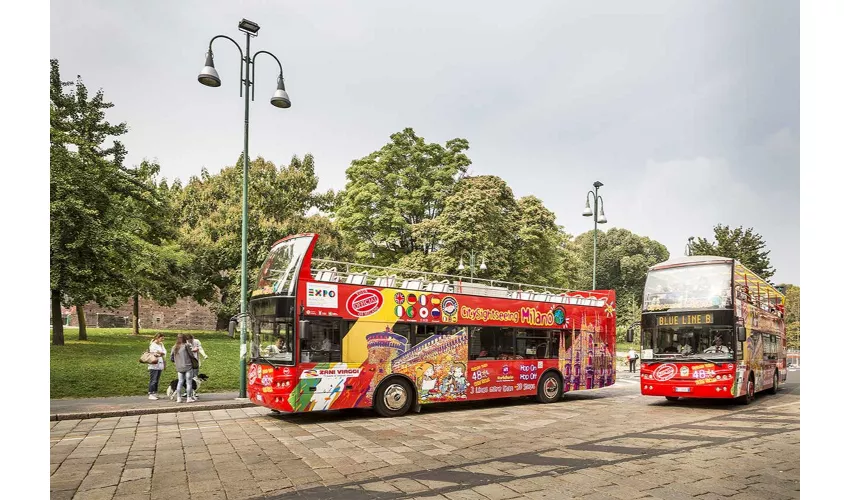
[[598, 214], [471, 257], [280, 99], [689, 250]]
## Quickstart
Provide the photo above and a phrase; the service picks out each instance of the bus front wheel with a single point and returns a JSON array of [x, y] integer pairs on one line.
[[549, 389], [775, 387], [751, 391], [394, 399]]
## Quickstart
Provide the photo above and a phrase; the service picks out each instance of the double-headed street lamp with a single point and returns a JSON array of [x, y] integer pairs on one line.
[[471, 257], [280, 99], [598, 214]]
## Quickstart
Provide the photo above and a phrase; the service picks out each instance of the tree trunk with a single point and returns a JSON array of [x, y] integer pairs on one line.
[[136, 314], [56, 314], [81, 319]]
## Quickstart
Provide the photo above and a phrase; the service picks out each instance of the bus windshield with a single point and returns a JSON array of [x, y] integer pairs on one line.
[[703, 341], [281, 267], [707, 286], [272, 325]]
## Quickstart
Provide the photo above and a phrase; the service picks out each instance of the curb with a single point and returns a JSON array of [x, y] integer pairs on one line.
[[148, 411]]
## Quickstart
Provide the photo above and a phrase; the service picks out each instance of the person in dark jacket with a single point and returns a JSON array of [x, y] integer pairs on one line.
[[182, 355]]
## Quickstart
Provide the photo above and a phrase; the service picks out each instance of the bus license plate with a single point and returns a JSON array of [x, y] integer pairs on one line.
[[683, 389]]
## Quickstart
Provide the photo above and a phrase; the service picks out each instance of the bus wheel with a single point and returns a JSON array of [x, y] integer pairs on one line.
[[549, 388], [775, 388], [395, 398], [672, 398], [751, 392]]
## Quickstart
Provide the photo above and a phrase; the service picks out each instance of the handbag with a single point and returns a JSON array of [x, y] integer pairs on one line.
[[149, 358], [192, 358]]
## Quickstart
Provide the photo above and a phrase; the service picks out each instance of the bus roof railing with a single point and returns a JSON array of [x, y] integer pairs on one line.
[[411, 279]]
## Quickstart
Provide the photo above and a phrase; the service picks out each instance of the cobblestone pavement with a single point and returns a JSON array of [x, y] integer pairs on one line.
[[606, 444]]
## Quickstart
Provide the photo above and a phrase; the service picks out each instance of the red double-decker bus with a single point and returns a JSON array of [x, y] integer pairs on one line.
[[710, 328], [333, 335]]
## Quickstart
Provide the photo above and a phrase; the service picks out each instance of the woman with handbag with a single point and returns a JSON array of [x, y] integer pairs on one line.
[[182, 355], [157, 349]]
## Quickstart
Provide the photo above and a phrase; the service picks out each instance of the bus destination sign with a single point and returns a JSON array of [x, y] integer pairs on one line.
[[686, 319]]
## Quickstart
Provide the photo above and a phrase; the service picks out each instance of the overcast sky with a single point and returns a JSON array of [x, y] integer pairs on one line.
[[687, 111]]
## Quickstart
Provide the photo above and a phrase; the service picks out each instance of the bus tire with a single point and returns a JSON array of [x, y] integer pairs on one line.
[[775, 387], [394, 397], [550, 388], [672, 398], [750, 395]]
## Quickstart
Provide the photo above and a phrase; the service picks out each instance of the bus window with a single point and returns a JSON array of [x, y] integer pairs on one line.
[[403, 329], [532, 344], [323, 346], [555, 342], [475, 343], [422, 332], [496, 343]]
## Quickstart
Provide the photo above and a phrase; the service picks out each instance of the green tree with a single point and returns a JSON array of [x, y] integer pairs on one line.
[[481, 216], [537, 251], [88, 237], [792, 316], [211, 224], [569, 260], [157, 266], [623, 259], [746, 246], [394, 195], [628, 312]]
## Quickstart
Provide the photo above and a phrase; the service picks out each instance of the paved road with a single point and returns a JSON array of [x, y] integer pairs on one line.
[[606, 444]]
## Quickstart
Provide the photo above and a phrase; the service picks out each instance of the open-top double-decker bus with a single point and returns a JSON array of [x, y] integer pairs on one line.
[[710, 328], [333, 335]]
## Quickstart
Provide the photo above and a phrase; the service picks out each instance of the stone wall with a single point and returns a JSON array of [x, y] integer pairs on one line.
[[186, 314]]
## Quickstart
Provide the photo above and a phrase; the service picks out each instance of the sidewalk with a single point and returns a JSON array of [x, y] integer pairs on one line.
[[73, 409], [65, 409]]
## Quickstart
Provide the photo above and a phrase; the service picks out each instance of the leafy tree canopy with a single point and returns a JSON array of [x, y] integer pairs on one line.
[[393, 195], [744, 245], [92, 225], [279, 199], [623, 258]]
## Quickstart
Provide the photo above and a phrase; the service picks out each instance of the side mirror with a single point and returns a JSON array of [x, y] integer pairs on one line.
[[304, 329], [742, 334], [630, 335]]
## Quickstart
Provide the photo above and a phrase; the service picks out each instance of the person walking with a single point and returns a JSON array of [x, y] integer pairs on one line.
[[155, 369], [182, 355], [632, 360]]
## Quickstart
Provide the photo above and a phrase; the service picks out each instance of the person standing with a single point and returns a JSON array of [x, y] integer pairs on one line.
[[198, 353], [182, 354], [155, 369], [632, 360]]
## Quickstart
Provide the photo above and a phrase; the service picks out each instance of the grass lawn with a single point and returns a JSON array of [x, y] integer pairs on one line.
[[107, 364], [622, 346]]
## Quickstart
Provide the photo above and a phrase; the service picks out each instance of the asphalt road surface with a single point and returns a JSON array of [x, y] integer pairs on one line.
[[605, 444]]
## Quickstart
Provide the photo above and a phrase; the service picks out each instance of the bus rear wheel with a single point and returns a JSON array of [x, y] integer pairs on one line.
[[549, 389], [394, 398], [775, 387]]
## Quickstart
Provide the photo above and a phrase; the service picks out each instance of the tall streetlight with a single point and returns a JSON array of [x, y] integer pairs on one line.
[[689, 250], [280, 99], [598, 214], [471, 257]]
